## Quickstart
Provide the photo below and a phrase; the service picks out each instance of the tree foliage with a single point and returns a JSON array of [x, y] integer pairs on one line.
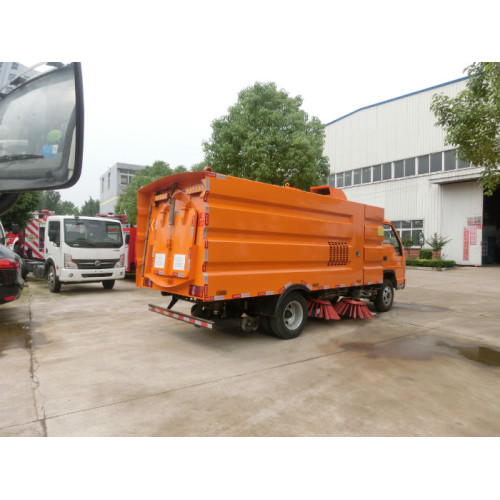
[[127, 203], [267, 137], [21, 212], [472, 121], [90, 208]]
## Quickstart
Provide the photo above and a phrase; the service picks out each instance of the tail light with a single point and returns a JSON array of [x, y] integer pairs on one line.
[[9, 264], [196, 291], [147, 283]]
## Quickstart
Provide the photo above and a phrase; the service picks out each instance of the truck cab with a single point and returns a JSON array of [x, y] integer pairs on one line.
[[84, 250]]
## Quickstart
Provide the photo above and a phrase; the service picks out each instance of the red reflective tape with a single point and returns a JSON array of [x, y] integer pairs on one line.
[[237, 296]]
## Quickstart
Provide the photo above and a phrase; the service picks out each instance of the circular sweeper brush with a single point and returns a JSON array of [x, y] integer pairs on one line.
[[349, 308]]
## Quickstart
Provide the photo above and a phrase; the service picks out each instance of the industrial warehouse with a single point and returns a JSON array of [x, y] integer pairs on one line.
[[392, 155]]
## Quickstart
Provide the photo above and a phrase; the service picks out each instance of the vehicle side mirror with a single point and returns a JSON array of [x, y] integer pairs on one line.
[[15, 229], [127, 239], [41, 133]]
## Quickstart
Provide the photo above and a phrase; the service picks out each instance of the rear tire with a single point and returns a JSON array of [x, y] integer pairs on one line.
[[108, 284], [52, 280], [290, 316], [385, 297]]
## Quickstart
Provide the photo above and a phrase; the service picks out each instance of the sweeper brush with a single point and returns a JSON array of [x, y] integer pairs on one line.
[[321, 309], [353, 309]]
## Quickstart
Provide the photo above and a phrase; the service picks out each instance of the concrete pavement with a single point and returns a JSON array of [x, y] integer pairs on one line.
[[95, 362]]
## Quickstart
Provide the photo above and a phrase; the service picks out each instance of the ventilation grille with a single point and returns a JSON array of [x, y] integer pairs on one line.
[[339, 254]]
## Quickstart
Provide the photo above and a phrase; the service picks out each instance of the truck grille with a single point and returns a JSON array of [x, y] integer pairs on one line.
[[92, 264]]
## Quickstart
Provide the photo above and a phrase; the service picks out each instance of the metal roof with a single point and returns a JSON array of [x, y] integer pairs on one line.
[[396, 98]]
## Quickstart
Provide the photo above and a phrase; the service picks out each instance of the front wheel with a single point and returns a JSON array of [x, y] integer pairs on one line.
[[108, 284], [290, 316], [52, 280], [385, 297]]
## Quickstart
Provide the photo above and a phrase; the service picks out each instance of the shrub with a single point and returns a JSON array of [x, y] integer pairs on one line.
[[430, 263], [425, 253]]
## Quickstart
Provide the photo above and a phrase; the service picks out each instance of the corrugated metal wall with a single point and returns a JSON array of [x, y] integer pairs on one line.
[[398, 129]]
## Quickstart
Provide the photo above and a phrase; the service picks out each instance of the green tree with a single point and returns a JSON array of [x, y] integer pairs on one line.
[[49, 200], [21, 212], [471, 121], [67, 208], [267, 137], [197, 167], [127, 202], [90, 208], [437, 242]]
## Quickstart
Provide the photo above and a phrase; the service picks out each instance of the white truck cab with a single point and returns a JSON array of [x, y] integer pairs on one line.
[[84, 250]]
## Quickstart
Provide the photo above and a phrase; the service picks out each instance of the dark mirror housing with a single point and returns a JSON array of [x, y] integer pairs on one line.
[[15, 229], [41, 132]]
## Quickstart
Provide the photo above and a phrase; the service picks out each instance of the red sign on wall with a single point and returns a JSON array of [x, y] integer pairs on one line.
[[466, 243]]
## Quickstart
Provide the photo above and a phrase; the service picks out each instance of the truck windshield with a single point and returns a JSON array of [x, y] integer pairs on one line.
[[92, 233]]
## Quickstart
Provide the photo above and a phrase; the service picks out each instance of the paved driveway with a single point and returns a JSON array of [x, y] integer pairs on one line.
[[95, 362]]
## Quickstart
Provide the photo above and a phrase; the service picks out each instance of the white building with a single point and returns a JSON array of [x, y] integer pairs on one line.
[[112, 184], [392, 155], [9, 71]]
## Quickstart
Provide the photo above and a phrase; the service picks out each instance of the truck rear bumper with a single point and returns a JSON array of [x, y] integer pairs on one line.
[[88, 275], [181, 317]]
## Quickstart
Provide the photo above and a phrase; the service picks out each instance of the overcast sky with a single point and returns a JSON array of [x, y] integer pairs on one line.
[[155, 78]]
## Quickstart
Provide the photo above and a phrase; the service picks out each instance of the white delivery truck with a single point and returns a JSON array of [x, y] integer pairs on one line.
[[84, 250]]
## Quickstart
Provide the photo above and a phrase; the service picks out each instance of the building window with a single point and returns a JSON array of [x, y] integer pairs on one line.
[[387, 171], [399, 169], [462, 164], [409, 167], [410, 229], [14, 66], [436, 162], [347, 178], [377, 173], [356, 177], [11, 76], [340, 180], [367, 175], [423, 164], [450, 161], [102, 184], [109, 180]]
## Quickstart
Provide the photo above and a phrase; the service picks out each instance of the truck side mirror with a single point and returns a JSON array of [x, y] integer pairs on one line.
[[127, 239], [15, 229]]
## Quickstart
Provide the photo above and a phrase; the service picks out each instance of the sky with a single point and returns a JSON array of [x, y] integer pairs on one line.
[[156, 77]]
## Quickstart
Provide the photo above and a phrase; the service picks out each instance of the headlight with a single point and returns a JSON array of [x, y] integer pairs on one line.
[[68, 262], [121, 262]]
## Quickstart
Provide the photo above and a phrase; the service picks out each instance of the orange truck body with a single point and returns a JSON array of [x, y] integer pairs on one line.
[[207, 238]]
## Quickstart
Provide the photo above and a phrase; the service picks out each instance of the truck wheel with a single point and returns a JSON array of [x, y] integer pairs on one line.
[[290, 316], [52, 280], [385, 297], [108, 284]]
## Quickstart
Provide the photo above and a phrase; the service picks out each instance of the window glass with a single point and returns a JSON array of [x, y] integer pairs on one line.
[[423, 164], [367, 175], [391, 239], [387, 171], [356, 176], [347, 178], [450, 162], [340, 180], [436, 162], [377, 173], [463, 164], [405, 224], [417, 223], [399, 169], [409, 167]]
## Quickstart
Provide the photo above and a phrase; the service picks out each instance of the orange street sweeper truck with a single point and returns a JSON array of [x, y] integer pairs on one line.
[[262, 254]]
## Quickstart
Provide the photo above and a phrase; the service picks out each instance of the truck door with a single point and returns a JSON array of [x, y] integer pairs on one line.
[[393, 256], [53, 247], [173, 231]]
